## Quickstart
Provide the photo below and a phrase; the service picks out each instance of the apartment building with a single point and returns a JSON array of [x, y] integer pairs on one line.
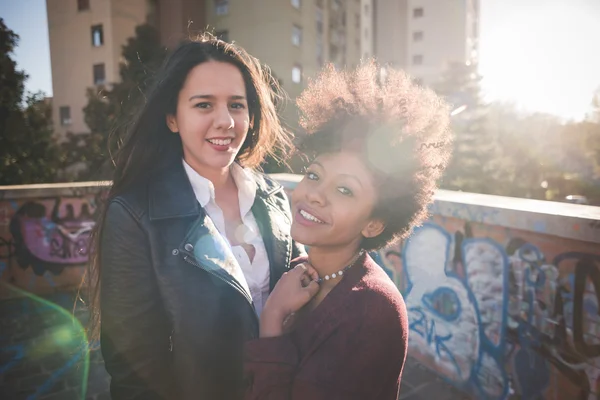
[[294, 37], [422, 36]]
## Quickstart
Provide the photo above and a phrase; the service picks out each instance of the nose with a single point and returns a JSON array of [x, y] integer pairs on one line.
[[223, 119], [316, 196]]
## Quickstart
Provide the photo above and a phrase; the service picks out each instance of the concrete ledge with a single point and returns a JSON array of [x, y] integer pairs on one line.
[[571, 221]]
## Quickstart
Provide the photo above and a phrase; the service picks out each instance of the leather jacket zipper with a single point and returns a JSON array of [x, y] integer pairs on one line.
[[242, 292]]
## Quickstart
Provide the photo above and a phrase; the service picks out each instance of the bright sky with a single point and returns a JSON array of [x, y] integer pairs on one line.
[[542, 54]]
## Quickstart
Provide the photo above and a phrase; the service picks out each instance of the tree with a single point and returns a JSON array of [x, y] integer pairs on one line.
[[28, 154], [592, 140], [110, 110], [472, 167]]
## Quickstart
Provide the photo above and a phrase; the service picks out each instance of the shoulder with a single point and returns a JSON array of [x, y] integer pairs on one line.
[[381, 299], [133, 200], [265, 184], [270, 190]]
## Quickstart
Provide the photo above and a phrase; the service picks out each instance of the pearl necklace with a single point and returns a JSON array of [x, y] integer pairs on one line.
[[342, 271]]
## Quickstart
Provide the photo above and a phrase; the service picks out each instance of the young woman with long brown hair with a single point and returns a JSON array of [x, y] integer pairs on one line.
[[191, 239]]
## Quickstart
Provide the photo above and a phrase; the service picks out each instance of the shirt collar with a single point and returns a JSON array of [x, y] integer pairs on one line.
[[205, 190]]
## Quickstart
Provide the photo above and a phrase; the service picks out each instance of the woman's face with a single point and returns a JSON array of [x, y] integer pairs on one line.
[[332, 205], [212, 115]]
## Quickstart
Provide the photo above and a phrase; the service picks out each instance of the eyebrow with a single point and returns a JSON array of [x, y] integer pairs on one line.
[[210, 96], [346, 175]]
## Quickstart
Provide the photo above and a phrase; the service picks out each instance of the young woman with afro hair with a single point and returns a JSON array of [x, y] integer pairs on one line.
[[335, 326]]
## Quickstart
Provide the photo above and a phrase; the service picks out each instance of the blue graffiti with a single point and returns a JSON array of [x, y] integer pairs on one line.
[[444, 303], [459, 321], [463, 294], [532, 372], [426, 329]]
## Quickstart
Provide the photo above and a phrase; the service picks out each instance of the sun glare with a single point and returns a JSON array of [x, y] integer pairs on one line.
[[544, 58]]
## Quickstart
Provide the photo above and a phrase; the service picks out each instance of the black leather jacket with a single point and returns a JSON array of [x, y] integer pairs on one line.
[[173, 321]]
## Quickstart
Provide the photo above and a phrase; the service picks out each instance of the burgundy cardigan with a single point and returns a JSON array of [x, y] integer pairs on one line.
[[352, 346]]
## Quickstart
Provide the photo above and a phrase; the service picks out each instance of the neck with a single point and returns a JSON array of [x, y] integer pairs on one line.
[[328, 260], [220, 177]]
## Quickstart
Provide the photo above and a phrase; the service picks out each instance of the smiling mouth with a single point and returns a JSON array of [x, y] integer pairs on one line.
[[220, 142], [310, 217]]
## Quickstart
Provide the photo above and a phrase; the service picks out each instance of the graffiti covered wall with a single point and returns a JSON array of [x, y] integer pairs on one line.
[[504, 301], [502, 294], [43, 236]]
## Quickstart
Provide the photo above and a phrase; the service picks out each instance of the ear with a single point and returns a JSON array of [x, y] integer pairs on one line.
[[373, 228], [172, 123]]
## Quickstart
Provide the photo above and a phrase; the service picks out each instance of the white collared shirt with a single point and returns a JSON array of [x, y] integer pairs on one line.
[[256, 272]]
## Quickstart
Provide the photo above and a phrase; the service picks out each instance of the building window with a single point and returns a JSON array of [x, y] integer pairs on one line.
[[296, 3], [97, 35], [357, 20], [83, 5], [417, 36], [223, 35], [418, 12], [221, 7], [99, 74], [417, 59], [366, 9], [65, 115], [297, 74], [296, 35], [366, 33]]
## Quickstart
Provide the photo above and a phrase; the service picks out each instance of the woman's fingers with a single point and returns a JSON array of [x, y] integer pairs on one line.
[[312, 289], [306, 270], [311, 272]]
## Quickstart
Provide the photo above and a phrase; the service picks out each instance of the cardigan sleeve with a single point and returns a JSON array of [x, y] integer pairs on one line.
[[360, 358]]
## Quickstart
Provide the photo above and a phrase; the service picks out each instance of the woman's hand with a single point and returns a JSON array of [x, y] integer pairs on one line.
[[293, 291]]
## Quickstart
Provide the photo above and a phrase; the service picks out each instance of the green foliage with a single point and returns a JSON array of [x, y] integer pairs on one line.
[[28, 153], [473, 167], [110, 110], [500, 151]]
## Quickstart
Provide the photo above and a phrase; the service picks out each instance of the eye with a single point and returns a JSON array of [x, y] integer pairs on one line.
[[311, 176], [202, 105], [345, 191], [238, 106]]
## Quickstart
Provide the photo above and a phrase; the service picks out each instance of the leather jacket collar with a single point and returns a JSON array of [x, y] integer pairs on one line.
[[171, 194]]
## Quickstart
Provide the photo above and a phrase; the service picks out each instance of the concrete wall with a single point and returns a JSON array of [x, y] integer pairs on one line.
[[43, 247], [502, 294]]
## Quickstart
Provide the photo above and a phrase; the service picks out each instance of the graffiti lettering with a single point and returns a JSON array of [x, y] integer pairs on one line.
[[50, 235], [478, 309]]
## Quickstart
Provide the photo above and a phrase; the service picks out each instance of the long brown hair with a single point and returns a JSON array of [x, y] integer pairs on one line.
[[149, 144]]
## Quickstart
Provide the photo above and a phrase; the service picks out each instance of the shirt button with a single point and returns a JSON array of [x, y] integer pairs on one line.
[[188, 247]]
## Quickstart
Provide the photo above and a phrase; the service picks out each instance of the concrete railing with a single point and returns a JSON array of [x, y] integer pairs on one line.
[[502, 293]]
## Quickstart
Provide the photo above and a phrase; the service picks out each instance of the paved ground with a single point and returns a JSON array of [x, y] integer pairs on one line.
[[419, 383]]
